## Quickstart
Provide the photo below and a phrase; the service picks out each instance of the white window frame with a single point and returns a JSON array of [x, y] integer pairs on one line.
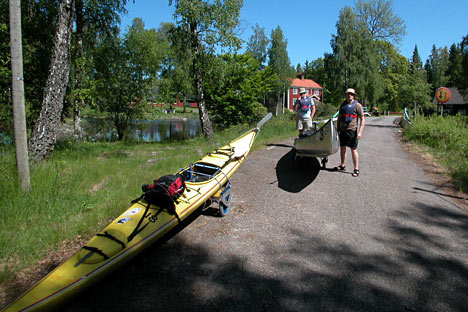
[[295, 91]]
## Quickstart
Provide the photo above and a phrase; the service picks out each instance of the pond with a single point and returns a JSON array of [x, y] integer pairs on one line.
[[99, 129]]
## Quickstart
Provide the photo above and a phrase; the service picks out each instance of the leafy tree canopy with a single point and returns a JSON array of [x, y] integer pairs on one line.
[[380, 19], [258, 44]]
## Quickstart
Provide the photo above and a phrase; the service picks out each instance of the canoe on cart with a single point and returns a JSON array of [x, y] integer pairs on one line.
[[320, 141], [206, 180]]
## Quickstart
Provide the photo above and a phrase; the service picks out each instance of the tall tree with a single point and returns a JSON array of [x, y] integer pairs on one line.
[[6, 116], [355, 60], [454, 69], [428, 70], [126, 69], [299, 69], [464, 51], [345, 46], [44, 135], [394, 69], [210, 24], [414, 89], [176, 81], [258, 44], [416, 62], [380, 19], [92, 18], [316, 71], [238, 95], [439, 60], [38, 28], [278, 60]]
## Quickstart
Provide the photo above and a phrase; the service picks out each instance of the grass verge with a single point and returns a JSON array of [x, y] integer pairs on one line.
[[447, 139], [83, 186]]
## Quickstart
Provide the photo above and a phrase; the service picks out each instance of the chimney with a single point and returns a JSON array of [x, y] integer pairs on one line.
[[300, 76]]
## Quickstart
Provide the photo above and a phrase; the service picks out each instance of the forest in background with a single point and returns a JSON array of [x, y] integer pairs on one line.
[[116, 73]]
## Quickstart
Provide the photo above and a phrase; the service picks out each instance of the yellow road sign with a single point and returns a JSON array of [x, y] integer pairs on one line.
[[443, 95]]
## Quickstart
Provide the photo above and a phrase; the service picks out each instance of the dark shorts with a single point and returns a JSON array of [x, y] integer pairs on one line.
[[349, 138]]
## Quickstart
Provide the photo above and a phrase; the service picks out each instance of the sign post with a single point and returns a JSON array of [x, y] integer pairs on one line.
[[19, 115]]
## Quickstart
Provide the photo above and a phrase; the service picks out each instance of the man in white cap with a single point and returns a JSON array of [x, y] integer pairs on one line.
[[349, 130], [305, 108]]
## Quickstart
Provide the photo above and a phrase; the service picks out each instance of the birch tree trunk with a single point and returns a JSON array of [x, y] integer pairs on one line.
[[277, 104], [207, 127], [79, 67], [283, 102], [45, 130]]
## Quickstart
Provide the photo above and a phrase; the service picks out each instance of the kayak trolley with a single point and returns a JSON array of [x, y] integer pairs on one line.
[[222, 198]]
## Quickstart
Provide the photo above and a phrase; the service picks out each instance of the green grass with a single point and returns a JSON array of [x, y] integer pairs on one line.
[[447, 138], [83, 186]]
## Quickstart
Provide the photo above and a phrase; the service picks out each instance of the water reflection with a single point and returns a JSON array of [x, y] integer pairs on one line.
[[98, 129]]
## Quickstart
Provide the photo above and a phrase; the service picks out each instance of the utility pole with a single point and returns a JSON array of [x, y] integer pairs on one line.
[[17, 82]]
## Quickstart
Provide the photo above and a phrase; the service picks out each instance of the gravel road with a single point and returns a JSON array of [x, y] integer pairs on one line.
[[305, 239]]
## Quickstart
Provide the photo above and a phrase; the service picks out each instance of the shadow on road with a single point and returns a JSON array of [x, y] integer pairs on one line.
[[312, 273], [294, 177], [439, 193], [381, 126], [281, 145]]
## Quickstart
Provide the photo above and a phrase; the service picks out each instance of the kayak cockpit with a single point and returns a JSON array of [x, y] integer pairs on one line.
[[199, 172]]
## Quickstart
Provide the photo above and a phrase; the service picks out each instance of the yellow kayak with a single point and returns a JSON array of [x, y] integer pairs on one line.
[[140, 226]]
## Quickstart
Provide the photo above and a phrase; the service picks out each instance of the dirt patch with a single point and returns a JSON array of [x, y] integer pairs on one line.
[[99, 185], [436, 172]]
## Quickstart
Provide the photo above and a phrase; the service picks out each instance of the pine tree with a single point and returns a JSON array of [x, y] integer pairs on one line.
[[416, 63], [279, 63], [438, 61], [299, 69], [454, 69], [464, 51]]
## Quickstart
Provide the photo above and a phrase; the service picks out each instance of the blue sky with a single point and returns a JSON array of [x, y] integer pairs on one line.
[[308, 25]]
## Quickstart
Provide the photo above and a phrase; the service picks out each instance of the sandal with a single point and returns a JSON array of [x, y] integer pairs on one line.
[[355, 173], [339, 168]]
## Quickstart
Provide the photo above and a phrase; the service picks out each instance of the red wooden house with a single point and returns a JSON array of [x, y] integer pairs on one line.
[[311, 87], [191, 103]]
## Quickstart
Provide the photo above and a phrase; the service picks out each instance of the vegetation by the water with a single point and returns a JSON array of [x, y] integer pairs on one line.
[[83, 186], [149, 113], [447, 138]]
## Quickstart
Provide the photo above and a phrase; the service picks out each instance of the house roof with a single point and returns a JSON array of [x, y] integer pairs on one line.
[[456, 98], [305, 83]]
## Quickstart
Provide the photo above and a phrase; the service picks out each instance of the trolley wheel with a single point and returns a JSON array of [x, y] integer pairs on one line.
[[223, 210], [224, 203], [324, 162]]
